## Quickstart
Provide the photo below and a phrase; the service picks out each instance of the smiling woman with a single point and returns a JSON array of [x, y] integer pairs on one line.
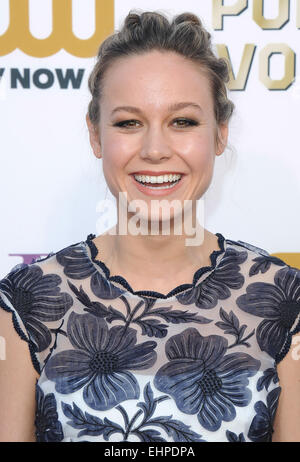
[[138, 336], [173, 125]]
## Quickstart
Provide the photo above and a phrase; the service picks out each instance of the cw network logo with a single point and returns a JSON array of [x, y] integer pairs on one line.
[[18, 34], [40, 78]]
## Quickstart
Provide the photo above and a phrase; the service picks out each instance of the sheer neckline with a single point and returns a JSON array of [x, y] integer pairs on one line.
[[149, 293]]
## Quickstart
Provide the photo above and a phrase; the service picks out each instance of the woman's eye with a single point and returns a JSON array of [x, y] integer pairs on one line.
[[132, 123], [186, 121], [126, 123]]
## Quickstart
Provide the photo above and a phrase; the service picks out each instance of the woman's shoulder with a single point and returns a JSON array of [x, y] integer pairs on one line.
[[259, 260], [270, 292], [37, 295], [52, 262]]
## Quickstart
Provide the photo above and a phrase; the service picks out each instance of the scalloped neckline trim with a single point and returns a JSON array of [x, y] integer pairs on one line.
[[149, 293]]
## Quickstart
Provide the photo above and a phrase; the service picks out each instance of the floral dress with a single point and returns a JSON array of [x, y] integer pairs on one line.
[[195, 365]]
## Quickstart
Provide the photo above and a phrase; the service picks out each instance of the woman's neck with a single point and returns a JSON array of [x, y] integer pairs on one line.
[[164, 257]]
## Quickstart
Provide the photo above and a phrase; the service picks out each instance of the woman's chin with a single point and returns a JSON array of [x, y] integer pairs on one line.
[[155, 223]]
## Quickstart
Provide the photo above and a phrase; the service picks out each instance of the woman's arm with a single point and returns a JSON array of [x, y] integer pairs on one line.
[[287, 418], [17, 386]]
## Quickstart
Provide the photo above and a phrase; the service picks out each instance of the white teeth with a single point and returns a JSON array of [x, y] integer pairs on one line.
[[169, 186], [157, 179]]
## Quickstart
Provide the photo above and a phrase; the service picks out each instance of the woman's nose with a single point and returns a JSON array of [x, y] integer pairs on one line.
[[155, 145]]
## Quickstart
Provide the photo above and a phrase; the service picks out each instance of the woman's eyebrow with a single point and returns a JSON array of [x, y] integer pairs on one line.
[[171, 107]]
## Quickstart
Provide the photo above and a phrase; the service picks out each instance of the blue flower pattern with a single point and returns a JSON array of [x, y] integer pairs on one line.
[[48, 427], [203, 380], [196, 365], [100, 362]]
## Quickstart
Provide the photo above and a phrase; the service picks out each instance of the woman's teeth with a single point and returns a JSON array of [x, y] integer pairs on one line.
[[157, 179], [161, 187], [146, 180]]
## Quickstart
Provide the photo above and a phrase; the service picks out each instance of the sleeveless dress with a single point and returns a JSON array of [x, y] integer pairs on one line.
[[198, 364]]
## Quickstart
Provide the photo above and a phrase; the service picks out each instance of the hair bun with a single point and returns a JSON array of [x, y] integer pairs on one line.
[[132, 20], [188, 17]]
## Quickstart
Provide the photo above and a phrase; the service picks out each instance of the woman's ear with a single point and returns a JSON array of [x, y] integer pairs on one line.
[[94, 137], [222, 138]]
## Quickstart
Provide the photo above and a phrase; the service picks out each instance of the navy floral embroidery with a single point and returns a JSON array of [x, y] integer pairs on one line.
[[251, 247], [279, 305], [78, 265], [261, 428], [102, 380], [217, 285], [139, 314], [231, 325], [55, 332], [152, 326], [94, 426], [100, 362], [174, 428], [203, 380], [37, 299], [269, 375], [233, 438], [95, 307], [263, 264], [48, 427], [89, 424]]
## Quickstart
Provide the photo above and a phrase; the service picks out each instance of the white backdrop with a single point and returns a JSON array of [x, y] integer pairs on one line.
[[51, 182]]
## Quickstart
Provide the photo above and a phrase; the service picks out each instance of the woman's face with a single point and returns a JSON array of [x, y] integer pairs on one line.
[[151, 133]]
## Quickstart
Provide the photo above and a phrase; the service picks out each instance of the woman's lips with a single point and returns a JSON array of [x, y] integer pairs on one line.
[[157, 192]]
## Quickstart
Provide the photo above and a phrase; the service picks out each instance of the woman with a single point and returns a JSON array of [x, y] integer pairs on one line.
[[141, 337]]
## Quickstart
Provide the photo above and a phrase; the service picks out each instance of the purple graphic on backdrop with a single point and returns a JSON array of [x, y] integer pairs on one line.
[[28, 257]]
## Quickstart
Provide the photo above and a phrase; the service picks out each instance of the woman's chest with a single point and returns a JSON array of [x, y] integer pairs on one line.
[[154, 377]]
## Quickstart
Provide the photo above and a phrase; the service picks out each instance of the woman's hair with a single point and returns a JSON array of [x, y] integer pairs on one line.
[[146, 31]]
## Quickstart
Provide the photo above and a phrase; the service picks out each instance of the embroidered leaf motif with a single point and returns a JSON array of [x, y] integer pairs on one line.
[[177, 316], [234, 438], [90, 424], [149, 436], [176, 429], [114, 314], [231, 326], [96, 308], [266, 379], [263, 263], [55, 332], [149, 303], [150, 403], [152, 327], [261, 427]]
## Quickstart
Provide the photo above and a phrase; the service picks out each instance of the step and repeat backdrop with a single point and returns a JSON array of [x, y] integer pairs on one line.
[[52, 186]]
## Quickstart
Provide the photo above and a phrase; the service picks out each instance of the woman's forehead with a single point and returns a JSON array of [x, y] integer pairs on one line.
[[155, 80], [155, 62]]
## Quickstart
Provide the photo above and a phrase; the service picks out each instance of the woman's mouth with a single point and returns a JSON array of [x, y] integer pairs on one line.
[[157, 185]]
